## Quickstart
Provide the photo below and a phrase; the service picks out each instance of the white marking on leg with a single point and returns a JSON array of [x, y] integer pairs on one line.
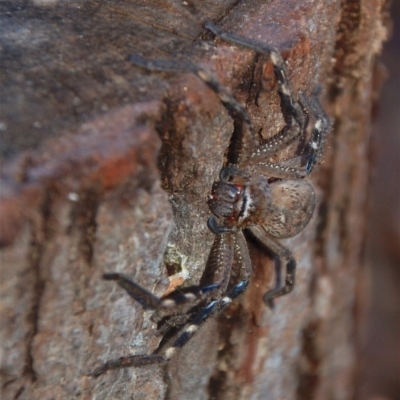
[[203, 75], [285, 90], [275, 57], [224, 98], [170, 352], [192, 328], [168, 303], [190, 296]]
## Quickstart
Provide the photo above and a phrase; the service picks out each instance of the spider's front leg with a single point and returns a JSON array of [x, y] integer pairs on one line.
[[220, 262], [221, 255], [151, 302], [226, 247], [243, 269]]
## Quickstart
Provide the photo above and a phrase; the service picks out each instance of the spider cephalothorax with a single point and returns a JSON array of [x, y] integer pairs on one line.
[[269, 199], [284, 208]]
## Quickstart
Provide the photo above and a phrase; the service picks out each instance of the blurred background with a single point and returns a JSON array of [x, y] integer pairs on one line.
[[380, 374]]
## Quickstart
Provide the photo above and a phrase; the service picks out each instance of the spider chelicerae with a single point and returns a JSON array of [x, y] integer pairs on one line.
[[267, 198]]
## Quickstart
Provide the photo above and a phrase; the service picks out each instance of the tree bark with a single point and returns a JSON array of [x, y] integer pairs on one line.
[[107, 167]]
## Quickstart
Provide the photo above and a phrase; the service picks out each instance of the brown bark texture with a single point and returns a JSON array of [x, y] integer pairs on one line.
[[107, 167]]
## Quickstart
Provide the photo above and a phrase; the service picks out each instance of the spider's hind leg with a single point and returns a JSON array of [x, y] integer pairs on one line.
[[285, 255], [233, 243]]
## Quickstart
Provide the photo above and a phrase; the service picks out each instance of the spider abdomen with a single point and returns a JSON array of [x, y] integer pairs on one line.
[[293, 203]]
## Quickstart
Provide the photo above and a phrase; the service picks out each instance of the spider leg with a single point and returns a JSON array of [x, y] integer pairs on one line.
[[217, 271], [321, 128], [215, 307], [129, 361], [244, 133], [221, 255], [291, 109], [242, 257], [219, 261], [281, 170], [151, 302], [293, 112], [236, 242], [242, 121], [162, 65], [301, 166], [284, 254], [282, 139]]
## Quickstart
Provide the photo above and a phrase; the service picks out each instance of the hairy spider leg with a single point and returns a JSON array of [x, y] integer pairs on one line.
[[237, 245], [139, 360], [293, 112], [217, 270], [243, 267], [215, 307], [321, 128], [242, 122], [221, 254], [300, 167], [284, 254], [151, 302]]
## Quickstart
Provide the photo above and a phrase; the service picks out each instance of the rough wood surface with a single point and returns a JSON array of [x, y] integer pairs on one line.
[[107, 167]]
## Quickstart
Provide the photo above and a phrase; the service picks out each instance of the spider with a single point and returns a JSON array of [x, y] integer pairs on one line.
[[268, 199]]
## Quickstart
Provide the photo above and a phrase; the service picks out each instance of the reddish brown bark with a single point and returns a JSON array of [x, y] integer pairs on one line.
[[95, 199]]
